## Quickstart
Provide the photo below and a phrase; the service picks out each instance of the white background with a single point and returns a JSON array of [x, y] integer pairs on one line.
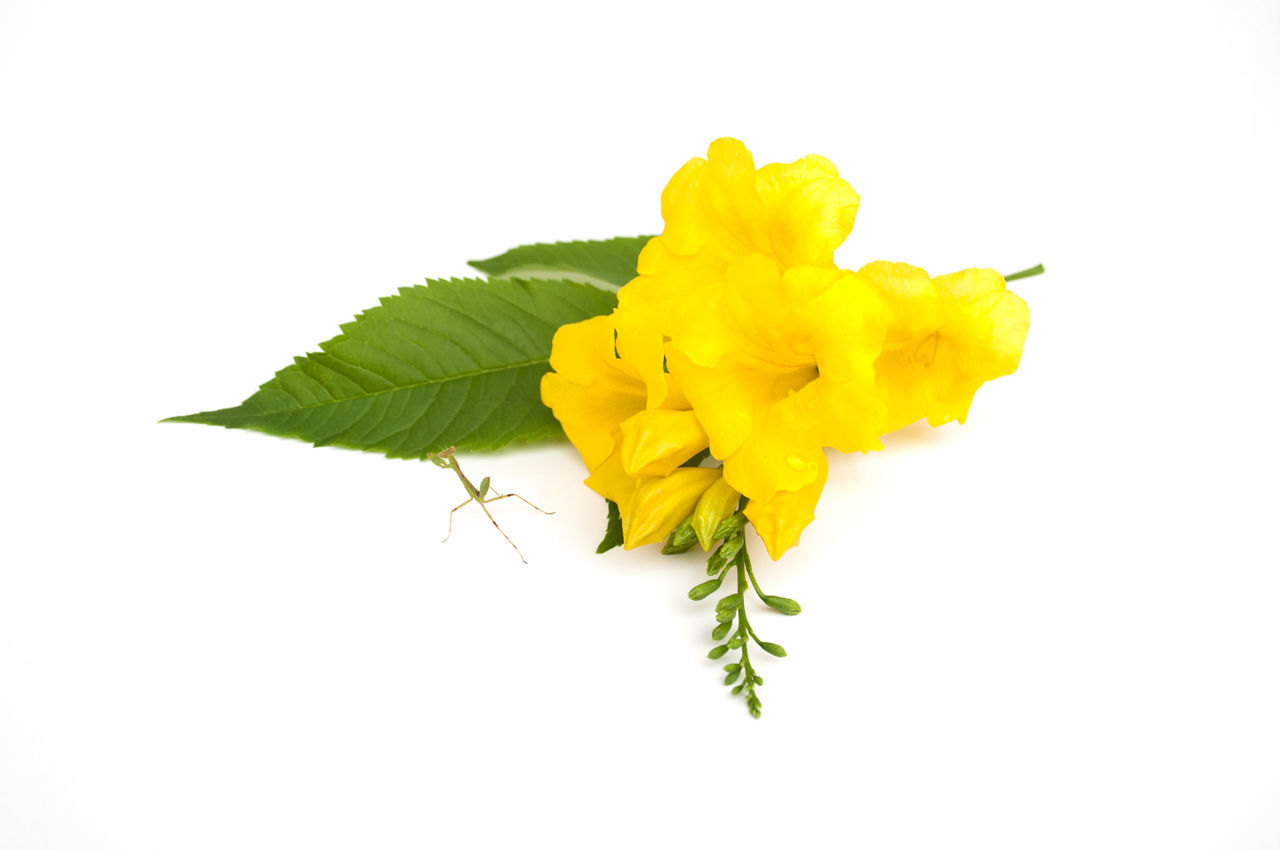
[[1054, 627]]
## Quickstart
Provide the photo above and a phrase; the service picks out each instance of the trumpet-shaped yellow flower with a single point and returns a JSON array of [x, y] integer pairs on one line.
[[721, 209], [740, 335], [605, 376], [793, 359], [947, 336], [604, 370], [590, 390]]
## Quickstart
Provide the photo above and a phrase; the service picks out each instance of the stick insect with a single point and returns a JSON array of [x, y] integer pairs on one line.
[[445, 460]]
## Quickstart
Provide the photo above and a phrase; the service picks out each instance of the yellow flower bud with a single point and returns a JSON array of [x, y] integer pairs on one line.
[[660, 504], [716, 505], [655, 442]]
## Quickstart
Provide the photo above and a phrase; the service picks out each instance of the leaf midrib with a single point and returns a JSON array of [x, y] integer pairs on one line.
[[457, 376]]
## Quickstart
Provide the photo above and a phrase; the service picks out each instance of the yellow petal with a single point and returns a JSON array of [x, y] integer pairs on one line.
[[716, 505], [591, 391], [987, 320], [638, 342], [782, 452], [798, 212], [780, 519], [843, 318], [610, 480], [708, 322], [655, 442], [911, 298], [660, 504], [784, 366], [720, 210], [850, 415], [712, 203], [734, 397], [808, 209]]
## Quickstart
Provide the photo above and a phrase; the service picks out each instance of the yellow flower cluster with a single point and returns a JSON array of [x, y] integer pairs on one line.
[[740, 334]]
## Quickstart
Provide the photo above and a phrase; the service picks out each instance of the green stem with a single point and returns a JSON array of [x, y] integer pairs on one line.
[[748, 672], [1031, 272], [750, 572]]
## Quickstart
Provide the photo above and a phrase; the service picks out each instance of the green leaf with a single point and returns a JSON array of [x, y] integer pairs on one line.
[[454, 363], [608, 261], [612, 529], [772, 648], [697, 459], [720, 631], [705, 589], [782, 603], [717, 652]]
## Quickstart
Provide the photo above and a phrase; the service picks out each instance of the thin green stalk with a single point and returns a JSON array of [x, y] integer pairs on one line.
[[751, 573], [1038, 268]]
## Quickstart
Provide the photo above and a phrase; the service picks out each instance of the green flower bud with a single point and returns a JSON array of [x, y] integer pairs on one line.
[[704, 590], [682, 539], [731, 526], [730, 603], [783, 604], [730, 548]]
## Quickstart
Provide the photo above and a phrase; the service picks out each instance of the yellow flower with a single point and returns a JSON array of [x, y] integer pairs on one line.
[[947, 336], [593, 388], [591, 391], [722, 209], [793, 371], [605, 377], [740, 335]]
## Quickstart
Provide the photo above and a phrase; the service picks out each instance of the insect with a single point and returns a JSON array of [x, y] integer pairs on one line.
[[482, 495]]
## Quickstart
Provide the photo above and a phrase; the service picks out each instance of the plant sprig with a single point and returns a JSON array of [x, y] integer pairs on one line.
[[731, 612]]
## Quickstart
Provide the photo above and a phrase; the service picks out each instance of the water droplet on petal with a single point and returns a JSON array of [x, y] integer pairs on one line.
[[796, 462]]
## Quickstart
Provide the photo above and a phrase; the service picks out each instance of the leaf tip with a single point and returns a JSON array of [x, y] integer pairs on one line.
[[208, 417]]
